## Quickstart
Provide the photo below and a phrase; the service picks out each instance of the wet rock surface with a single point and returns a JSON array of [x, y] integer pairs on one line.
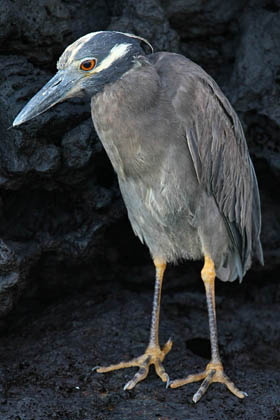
[[75, 285]]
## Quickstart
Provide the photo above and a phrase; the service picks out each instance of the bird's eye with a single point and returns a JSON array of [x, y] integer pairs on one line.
[[88, 64]]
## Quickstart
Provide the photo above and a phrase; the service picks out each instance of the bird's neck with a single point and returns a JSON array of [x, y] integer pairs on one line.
[[120, 113]]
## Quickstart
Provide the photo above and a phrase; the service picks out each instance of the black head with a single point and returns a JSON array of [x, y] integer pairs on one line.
[[84, 68]]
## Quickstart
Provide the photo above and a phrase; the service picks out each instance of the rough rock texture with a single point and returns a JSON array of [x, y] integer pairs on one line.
[[63, 225], [48, 355]]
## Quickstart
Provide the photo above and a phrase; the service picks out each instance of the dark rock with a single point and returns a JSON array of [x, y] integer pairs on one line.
[[37, 30], [7, 257], [197, 18], [255, 74], [50, 351], [148, 19], [63, 225], [78, 146], [208, 32], [46, 159]]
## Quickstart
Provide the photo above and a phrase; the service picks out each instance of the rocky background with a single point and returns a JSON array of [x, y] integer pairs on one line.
[[75, 284]]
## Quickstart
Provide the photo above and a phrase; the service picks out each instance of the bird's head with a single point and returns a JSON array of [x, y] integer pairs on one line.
[[84, 68]]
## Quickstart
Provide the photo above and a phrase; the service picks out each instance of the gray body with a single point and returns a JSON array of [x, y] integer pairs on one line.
[[183, 167], [182, 162], [176, 145]]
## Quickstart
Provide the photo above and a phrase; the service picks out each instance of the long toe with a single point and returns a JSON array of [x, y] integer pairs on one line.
[[117, 366], [140, 375]]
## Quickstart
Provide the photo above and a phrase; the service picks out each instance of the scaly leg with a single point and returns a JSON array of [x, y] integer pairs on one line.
[[214, 371], [153, 354]]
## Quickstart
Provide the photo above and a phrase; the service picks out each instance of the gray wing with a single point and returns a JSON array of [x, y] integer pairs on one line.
[[220, 155]]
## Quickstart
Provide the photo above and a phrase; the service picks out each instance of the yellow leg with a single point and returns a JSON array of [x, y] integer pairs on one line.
[[153, 354], [214, 371]]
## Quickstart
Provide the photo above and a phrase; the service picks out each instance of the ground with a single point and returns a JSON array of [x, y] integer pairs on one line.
[[49, 349]]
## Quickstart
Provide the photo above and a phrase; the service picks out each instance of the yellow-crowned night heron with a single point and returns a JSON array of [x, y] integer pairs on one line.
[[183, 167]]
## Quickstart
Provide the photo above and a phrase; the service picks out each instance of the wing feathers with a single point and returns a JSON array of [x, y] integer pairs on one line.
[[220, 156]]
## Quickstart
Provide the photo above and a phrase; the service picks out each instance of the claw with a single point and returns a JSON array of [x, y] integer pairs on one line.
[[127, 386], [167, 346], [167, 382]]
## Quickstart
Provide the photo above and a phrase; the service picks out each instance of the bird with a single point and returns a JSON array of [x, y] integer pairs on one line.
[[183, 167]]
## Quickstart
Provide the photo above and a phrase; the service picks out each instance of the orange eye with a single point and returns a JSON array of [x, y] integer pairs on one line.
[[88, 65]]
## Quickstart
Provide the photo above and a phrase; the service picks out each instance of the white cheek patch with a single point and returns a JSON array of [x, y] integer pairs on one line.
[[118, 51]]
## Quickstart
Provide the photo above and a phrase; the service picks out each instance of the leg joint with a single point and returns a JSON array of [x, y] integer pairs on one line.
[[159, 263], [208, 271]]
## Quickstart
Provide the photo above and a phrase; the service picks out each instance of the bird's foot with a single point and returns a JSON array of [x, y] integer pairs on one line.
[[152, 356], [214, 372]]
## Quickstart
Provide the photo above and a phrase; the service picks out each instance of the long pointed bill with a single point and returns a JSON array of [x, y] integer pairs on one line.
[[56, 90]]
